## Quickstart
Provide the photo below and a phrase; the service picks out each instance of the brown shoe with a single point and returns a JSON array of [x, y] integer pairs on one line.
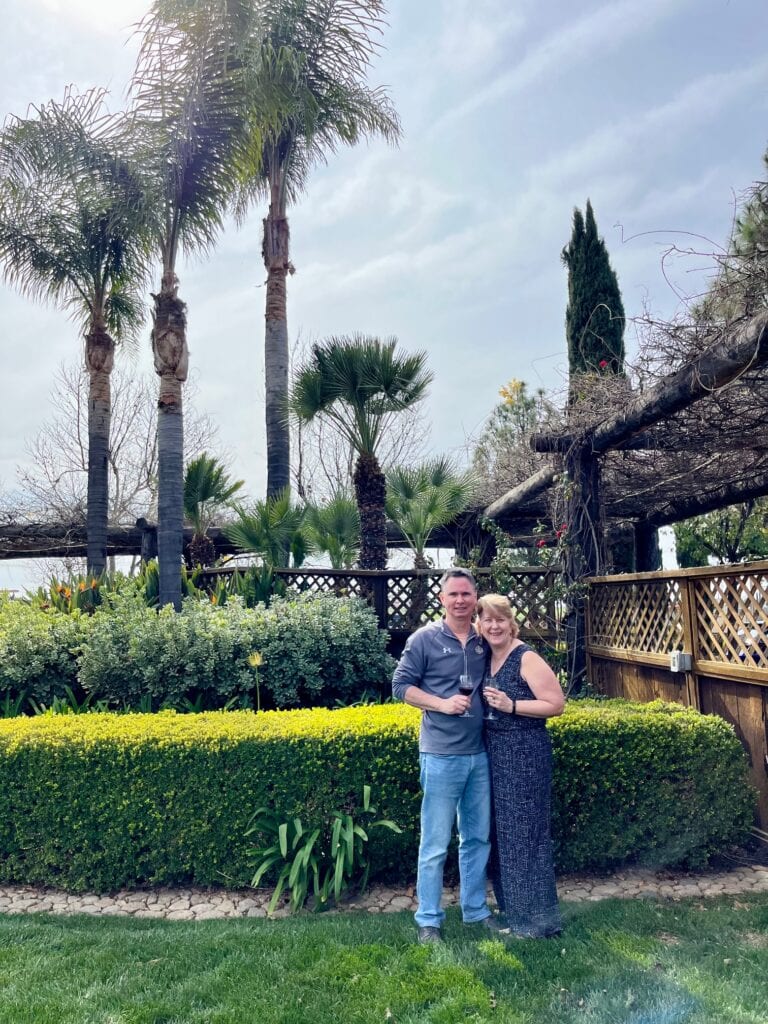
[[427, 935]]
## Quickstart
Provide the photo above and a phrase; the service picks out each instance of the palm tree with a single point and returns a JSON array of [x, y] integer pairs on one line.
[[313, 61], [420, 499], [190, 137], [334, 528], [360, 384], [69, 234], [207, 489], [274, 529]]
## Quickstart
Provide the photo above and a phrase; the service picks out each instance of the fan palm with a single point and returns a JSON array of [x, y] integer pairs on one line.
[[70, 233], [335, 529], [190, 137], [420, 499], [360, 384], [313, 60], [274, 529], [207, 489]]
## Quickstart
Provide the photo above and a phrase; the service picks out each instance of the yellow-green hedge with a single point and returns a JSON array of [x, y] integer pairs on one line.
[[102, 801]]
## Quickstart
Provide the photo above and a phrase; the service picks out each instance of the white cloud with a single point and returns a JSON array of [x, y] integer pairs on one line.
[[95, 15], [577, 43]]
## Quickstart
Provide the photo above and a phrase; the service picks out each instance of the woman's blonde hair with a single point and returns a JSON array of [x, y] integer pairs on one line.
[[497, 606]]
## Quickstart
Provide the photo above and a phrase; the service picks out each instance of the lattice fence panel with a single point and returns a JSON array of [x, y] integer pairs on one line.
[[641, 616], [401, 592], [732, 618], [324, 582], [530, 594]]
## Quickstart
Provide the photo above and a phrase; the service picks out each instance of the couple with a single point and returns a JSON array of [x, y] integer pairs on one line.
[[463, 772]]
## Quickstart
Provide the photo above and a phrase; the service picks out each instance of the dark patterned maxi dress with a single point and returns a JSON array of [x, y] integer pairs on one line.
[[521, 866]]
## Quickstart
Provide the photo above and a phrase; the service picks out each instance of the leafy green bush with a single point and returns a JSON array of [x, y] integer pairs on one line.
[[135, 653], [39, 652], [653, 783], [102, 801], [314, 650]]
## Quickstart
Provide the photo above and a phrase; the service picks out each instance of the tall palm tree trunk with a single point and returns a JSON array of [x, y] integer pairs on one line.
[[370, 493], [275, 250], [169, 345], [99, 360]]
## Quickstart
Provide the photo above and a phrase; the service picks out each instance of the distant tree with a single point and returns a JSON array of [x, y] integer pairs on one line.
[[361, 384], [502, 456], [729, 535], [594, 318], [208, 489]]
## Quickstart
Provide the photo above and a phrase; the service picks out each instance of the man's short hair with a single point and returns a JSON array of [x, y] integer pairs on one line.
[[457, 571]]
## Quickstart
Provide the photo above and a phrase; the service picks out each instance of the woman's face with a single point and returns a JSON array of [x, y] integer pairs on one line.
[[497, 630]]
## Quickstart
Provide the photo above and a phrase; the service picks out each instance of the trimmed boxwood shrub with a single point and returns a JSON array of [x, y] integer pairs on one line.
[[655, 784], [103, 801]]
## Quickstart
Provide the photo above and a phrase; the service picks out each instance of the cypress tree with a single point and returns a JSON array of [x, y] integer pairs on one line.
[[594, 318]]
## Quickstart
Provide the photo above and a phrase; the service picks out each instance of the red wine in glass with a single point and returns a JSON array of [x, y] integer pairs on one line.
[[466, 689]]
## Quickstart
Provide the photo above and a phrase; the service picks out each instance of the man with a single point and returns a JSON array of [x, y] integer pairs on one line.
[[455, 780]]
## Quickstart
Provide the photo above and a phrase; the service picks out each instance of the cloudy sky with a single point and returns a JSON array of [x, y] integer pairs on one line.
[[514, 112]]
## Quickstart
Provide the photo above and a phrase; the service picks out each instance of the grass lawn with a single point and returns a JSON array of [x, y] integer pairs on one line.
[[618, 962]]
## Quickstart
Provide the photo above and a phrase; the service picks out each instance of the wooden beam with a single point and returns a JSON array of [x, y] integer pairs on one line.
[[528, 489], [746, 348]]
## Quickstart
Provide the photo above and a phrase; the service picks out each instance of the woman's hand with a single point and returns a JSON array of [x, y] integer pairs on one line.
[[497, 699]]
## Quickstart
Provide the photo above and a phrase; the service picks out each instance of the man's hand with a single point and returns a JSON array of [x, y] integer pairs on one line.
[[455, 705]]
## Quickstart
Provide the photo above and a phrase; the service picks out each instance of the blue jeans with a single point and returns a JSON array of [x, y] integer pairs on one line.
[[456, 789]]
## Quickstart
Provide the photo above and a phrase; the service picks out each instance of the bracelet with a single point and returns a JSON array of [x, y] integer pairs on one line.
[[514, 707]]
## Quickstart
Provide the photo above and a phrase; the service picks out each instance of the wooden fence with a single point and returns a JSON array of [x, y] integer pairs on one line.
[[713, 623]]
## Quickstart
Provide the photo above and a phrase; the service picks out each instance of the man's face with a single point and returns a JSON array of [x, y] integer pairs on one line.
[[459, 598]]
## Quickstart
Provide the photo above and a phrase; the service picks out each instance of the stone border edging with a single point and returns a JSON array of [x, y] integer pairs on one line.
[[204, 904]]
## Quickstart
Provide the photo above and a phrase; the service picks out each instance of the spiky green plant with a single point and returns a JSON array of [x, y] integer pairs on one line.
[[334, 529]]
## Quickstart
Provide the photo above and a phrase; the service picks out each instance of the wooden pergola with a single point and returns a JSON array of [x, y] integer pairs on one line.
[[603, 459]]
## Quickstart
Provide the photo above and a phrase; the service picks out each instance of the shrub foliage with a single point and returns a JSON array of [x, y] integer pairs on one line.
[[314, 650], [101, 801]]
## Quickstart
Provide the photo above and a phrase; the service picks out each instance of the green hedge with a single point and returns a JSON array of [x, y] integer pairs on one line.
[[103, 801], [314, 650]]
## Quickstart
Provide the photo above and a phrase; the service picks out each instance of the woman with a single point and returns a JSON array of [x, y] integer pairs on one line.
[[522, 691]]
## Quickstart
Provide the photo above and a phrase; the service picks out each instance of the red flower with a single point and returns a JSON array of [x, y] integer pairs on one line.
[[541, 543], [603, 363]]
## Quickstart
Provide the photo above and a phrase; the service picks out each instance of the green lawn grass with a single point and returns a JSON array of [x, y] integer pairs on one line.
[[618, 962]]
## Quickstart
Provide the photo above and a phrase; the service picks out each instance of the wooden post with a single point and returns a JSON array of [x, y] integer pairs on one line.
[[148, 539], [690, 640], [584, 553]]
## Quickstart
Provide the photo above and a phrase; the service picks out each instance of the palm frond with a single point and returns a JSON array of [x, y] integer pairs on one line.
[[207, 489], [272, 528], [71, 232], [356, 381]]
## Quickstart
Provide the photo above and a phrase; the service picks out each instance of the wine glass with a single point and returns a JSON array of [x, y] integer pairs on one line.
[[489, 716], [466, 688]]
